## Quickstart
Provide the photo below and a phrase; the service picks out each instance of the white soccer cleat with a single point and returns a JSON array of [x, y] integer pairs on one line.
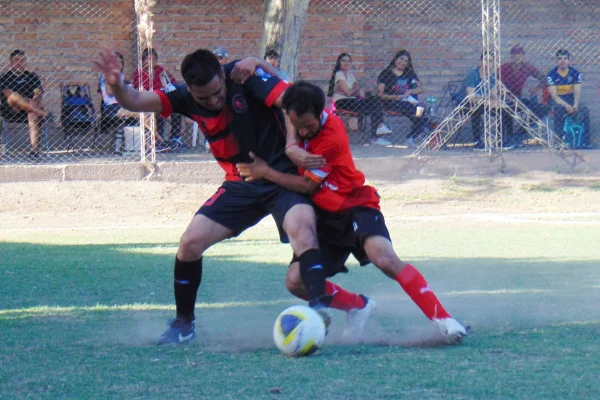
[[451, 330], [356, 320]]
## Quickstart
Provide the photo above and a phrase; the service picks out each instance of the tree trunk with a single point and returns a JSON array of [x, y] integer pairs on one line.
[[284, 22]]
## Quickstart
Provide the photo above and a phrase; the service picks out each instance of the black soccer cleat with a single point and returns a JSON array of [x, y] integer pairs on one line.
[[180, 331]]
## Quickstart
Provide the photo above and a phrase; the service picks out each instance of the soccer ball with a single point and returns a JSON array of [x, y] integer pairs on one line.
[[299, 331]]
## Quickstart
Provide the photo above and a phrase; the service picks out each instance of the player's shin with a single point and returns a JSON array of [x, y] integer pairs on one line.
[[415, 285], [312, 274], [188, 275]]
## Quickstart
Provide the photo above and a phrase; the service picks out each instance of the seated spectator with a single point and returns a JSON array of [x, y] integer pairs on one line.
[[222, 55], [471, 84], [348, 95], [162, 80], [21, 98], [112, 115], [513, 75], [564, 85], [399, 87], [272, 57]]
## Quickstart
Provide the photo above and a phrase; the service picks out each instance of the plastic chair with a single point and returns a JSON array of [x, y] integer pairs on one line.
[[78, 116]]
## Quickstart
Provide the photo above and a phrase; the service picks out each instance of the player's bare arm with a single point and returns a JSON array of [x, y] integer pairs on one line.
[[128, 97], [244, 69], [259, 169]]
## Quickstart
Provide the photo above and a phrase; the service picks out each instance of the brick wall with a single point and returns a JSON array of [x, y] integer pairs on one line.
[[443, 36]]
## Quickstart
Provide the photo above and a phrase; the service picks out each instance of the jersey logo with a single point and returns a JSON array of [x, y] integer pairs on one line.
[[239, 103], [262, 74]]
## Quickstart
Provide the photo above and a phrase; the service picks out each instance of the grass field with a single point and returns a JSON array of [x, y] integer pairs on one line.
[[84, 293]]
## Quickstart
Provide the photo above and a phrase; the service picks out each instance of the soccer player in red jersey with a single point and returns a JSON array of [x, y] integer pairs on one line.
[[349, 218], [236, 119]]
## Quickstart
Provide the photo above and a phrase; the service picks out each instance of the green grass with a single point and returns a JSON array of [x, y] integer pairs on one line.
[[79, 312]]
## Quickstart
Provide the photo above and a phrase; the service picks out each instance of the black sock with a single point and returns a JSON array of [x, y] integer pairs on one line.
[[188, 275], [313, 277]]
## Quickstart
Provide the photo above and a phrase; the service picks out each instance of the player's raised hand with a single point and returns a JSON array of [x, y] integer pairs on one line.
[[108, 64], [253, 171], [304, 159]]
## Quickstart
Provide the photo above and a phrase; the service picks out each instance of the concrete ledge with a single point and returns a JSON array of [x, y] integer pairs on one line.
[[381, 168], [105, 172]]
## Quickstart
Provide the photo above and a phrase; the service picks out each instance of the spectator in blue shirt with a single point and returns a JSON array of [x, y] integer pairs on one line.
[[564, 86]]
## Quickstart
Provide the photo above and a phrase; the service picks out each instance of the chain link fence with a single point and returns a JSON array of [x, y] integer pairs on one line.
[[405, 74]]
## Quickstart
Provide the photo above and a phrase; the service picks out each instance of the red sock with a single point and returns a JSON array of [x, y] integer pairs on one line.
[[415, 285], [342, 299]]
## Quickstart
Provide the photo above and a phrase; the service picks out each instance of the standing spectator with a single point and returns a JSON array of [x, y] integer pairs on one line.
[[348, 95], [21, 98], [513, 75], [471, 84], [161, 79], [399, 87], [272, 57], [222, 55], [564, 85]]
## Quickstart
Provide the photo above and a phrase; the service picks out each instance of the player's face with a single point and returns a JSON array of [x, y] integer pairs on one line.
[[18, 64], [211, 96], [306, 124], [562, 61]]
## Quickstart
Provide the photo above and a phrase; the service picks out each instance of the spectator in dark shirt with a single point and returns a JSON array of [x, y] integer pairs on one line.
[[21, 98], [399, 87]]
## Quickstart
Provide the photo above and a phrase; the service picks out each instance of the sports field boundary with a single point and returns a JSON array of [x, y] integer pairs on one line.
[[385, 166]]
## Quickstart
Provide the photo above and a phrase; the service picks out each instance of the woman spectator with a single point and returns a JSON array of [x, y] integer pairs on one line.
[[161, 79], [112, 115], [348, 96], [399, 87]]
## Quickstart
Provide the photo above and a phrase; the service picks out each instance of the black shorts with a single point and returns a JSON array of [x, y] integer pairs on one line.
[[342, 234], [240, 205]]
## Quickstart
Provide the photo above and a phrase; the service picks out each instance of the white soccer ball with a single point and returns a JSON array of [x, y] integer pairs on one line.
[[299, 331]]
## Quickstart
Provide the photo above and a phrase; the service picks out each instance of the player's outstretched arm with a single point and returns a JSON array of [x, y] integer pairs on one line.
[[259, 169], [128, 97]]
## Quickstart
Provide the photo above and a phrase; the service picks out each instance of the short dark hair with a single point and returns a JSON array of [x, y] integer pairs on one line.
[[147, 51], [486, 53], [304, 97], [563, 52], [200, 67], [271, 53], [17, 53]]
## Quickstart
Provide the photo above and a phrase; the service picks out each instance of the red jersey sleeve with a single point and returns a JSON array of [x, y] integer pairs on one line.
[[327, 146]]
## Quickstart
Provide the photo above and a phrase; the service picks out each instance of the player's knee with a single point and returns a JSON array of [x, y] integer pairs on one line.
[[190, 246], [293, 281], [302, 236]]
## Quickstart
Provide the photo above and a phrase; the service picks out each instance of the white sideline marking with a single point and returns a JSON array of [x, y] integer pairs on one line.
[[530, 218]]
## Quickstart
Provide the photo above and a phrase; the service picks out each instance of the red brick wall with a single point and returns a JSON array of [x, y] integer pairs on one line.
[[185, 25]]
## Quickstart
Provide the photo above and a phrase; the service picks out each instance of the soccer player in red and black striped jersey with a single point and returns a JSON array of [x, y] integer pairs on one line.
[[236, 119], [349, 220]]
